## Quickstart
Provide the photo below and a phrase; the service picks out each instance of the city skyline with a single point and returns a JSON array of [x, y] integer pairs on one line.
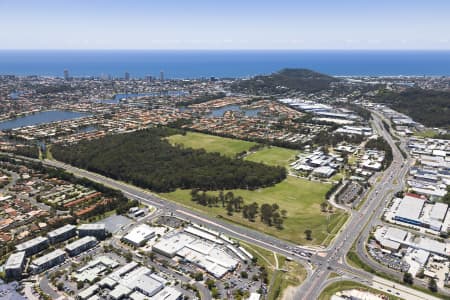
[[290, 25]]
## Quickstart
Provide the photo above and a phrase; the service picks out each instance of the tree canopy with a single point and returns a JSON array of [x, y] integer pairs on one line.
[[431, 108], [146, 159]]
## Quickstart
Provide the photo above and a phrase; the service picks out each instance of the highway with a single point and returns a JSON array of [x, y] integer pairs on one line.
[[359, 228]]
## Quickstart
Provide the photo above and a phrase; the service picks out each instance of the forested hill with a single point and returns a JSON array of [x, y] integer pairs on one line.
[[146, 159], [287, 79], [430, 108]]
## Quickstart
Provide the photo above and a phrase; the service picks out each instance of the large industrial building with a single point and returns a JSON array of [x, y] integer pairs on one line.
[[61, 234], [205, 249], [97, 230], [33, 246], [139, 235], [47, 261], [393, 238], [81, 245], [14, 265], [409, 210], [414, 210]]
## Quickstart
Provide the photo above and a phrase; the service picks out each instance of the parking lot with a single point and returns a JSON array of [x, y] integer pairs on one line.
[[388, 260]]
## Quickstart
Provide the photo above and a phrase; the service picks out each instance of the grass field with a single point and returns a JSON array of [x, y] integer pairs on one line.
[[289, 273], [299, 197], [211, 143], [349, 285], [274, 156], [428, 133]]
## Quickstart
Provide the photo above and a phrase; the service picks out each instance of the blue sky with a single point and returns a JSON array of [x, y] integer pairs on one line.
[[230, 24]]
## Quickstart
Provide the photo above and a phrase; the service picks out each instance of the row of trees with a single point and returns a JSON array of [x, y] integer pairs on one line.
[[146, 159], [270, 214]]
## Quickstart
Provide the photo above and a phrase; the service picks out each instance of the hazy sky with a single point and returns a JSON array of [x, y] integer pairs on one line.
[[225, 24]]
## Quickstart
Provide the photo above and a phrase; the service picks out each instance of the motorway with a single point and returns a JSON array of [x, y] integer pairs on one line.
[[325, 261], [359, 228]]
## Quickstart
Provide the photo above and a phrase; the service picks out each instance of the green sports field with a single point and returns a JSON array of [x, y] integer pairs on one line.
[[211, 143], [274, 156]]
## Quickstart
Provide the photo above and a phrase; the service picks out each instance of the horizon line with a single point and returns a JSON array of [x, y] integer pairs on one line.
[[236, 49]]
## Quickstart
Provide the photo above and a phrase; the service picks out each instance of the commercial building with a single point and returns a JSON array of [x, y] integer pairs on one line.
[[323, 171], [170, 245], [94, 269], [97, 230], [139, 235], [47, 261], [119, 292], [409, 210], [33, 246], [414, 210], [132, 279], [204, 250], [168, 293], [61, 234], [88, 293], [394, 238], [81, 245], [390, 238], [14, 265]]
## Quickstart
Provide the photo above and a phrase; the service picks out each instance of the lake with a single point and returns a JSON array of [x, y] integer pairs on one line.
[[41, 118], [218, 112]]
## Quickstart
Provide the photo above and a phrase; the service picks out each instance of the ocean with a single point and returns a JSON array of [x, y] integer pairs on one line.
[[198, 64]]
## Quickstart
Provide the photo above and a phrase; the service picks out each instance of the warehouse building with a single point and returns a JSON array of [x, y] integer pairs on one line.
[[409, 210], [97, 230], [139, 235], [61, 234], [170, 245], [168, 293], [14, 265], [414, 210], [81, 245], [88, 293], [33, 246], [47, 261], [204, 250]]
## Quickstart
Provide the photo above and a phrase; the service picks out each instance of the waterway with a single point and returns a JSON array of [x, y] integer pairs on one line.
[[41, 118], [218, 112]]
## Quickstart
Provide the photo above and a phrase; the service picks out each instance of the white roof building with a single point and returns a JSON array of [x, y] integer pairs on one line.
[[409, 210], [139, 235]]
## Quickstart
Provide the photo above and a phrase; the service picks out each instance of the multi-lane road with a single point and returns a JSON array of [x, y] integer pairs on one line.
[[324, 261], [358, 229]]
